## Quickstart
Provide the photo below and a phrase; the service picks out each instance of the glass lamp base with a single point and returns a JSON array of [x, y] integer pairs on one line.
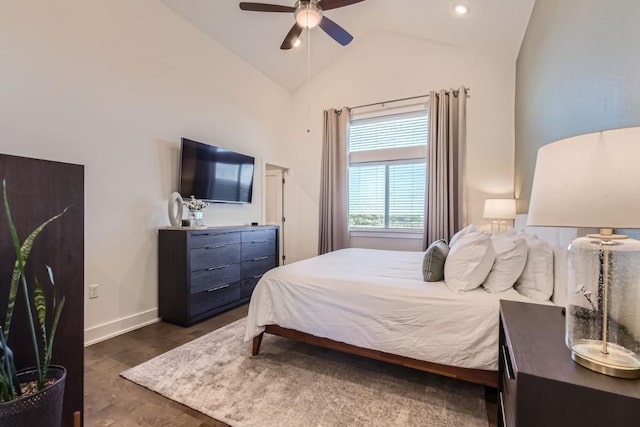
[[619, 362]]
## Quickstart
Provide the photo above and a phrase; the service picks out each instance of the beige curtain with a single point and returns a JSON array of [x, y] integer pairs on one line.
[[445, 202], [334, 227]]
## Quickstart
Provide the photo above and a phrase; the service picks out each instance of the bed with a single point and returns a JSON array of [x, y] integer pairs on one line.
[[374, 303]]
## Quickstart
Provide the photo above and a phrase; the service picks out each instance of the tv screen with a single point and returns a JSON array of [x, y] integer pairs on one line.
[[215, 174]]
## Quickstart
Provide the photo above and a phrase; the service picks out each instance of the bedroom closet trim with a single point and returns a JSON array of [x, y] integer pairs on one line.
[[274, 202]]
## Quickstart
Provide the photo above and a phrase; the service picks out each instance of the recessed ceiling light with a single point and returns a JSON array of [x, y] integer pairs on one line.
[[298, 42], [461, 9]]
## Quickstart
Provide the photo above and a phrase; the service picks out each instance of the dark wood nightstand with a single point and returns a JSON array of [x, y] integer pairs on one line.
[[539, 384]]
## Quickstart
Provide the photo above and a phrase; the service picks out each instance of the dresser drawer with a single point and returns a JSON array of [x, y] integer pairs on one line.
[[247, 286], [256, 267], [204, 258], [258, 236], [203, 280], [257, 249], [214, 298], [212, 239], [201, 271]]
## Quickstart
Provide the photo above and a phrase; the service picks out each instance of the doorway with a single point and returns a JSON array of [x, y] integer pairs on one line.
[[275, 184]]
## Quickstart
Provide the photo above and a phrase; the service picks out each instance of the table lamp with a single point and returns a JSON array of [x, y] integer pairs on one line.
[[593, 180], [499, 210]]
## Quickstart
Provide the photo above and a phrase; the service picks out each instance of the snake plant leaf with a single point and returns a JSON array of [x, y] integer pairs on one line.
[[22, 255], [53, 283], [40, 302], [57, 310], [10, 384], [52, 334]]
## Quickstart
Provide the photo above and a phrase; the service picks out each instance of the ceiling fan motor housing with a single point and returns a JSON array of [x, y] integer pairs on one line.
[[308, 14]]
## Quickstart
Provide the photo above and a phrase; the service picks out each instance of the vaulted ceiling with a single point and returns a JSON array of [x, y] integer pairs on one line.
[[494, 27]]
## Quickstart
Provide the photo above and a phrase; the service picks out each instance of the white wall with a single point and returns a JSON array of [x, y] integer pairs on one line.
[[575, 76], [384, 66], [114, 85]]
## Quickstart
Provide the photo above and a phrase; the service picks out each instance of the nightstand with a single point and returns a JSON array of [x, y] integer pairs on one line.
[[540, 386]]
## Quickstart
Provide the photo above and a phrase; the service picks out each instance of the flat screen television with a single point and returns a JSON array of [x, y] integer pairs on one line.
[[215, 174]]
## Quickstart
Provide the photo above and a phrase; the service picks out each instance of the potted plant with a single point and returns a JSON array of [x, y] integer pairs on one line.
[[32, 396], [195, 207]]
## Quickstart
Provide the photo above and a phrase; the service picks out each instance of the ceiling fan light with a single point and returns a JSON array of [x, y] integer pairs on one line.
[[461, 9], [308, 15], [298, 42]]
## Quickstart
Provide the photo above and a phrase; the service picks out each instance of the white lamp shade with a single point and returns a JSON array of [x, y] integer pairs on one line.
[[499, 209], [590, 180]]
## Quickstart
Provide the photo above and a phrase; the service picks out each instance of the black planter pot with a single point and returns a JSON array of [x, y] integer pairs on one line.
[[42, 409]]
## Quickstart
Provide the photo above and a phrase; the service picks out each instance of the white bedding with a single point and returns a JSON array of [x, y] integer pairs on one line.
[[378, 300]]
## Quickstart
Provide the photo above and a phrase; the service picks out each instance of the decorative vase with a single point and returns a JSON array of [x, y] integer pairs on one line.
[[42, 409], [175, 209], [197, 218]]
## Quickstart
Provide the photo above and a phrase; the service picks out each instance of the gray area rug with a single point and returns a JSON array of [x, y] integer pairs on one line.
[[295, 384]]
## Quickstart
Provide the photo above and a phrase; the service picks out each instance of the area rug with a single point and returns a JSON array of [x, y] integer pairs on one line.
[[295, 384]]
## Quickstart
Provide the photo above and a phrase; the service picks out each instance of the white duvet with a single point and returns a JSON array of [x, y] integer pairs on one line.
[[377, 299]]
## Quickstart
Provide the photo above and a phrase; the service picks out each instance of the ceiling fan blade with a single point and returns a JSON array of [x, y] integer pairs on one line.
[[294, 34], [334, 4], [264, 7], [336, 32]]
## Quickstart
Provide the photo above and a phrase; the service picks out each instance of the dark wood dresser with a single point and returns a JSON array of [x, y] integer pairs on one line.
[[202, 272], [539, 384]]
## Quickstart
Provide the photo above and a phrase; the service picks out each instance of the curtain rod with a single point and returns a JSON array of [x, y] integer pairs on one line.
[[466, 90]]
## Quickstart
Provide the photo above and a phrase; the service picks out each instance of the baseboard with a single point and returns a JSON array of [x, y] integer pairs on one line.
[[119, 326]]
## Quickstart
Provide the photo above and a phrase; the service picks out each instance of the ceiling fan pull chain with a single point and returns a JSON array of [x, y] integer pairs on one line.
[[308, 80]]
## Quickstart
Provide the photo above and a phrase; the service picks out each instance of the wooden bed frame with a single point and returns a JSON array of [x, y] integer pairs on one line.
[[478, 376]]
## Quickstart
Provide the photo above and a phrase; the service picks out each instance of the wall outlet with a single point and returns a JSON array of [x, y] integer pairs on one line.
[[93, 291]]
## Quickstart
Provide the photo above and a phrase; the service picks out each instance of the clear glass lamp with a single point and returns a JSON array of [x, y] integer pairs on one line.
[[593, 181]]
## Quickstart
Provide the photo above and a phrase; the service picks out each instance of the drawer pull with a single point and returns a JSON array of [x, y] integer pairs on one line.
[[259, 241], [507, 363], [218, 267], [258, 276], [215, 247], [260, 259], [218, 288], [504, 419]]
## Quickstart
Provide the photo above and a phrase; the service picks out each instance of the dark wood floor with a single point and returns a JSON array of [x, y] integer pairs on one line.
[[110, 400]]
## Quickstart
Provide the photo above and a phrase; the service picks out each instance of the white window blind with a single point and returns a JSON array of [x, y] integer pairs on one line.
[[400, 130], [387, 171]]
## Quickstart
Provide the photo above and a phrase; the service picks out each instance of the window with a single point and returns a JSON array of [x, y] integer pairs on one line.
[[387, 171]]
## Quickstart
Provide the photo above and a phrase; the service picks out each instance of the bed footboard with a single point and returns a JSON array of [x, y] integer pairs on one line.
[[477, 376]]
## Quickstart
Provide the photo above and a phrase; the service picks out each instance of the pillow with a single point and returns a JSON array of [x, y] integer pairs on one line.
[[469, 262], [536, 280], [511, 257], [468, 229], [433, 262]]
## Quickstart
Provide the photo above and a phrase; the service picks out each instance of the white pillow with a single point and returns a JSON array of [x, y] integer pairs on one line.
[[468, 229], [511, 257], [536, 280], [469, 262]]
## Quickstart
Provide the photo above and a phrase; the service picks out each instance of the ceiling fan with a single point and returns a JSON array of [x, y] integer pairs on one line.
[[308, 14]]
